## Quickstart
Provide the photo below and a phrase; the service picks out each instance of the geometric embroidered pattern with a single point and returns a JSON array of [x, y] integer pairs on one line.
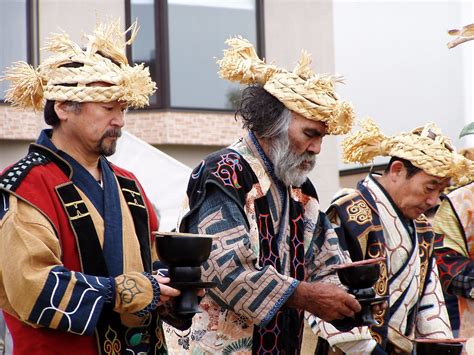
[[13, 176]]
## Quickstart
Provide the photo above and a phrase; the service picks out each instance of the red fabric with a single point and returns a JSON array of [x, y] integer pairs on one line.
[[39, 341], [38, 188]]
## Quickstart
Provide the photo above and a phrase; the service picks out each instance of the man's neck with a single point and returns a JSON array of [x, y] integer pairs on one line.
[[385, 183], [387, 187], [90, 161]]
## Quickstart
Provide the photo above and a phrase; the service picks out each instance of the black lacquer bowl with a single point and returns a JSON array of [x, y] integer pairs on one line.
[[183, 254], [183, 249], [439, 346], [360, 277]]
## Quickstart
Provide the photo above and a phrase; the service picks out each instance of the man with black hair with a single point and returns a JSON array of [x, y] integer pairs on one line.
[[76, 246], [256, 198], [383, 217]]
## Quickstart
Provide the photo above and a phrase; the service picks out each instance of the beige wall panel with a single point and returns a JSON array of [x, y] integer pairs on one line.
[[286, 34], [350, 181], [76, 17], [12, 151]]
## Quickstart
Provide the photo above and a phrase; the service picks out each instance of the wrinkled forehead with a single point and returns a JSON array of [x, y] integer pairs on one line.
[[306, 123], [320, 126]]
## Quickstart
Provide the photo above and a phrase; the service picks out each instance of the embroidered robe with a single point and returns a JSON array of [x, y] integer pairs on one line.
[[270, 237], [370, 226], [72, 238]]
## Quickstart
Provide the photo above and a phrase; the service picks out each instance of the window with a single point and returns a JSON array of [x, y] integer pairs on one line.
[[143, 48], [189, 36], [13, 36]]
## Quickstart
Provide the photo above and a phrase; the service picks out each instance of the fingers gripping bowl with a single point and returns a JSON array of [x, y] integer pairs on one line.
[[184, 253]]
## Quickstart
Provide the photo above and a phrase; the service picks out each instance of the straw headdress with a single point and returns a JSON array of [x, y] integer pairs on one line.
[[67, 74], [463, 35], [311, 95], [425, 147]]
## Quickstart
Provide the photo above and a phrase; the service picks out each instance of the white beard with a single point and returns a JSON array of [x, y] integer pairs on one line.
[[291, 168]]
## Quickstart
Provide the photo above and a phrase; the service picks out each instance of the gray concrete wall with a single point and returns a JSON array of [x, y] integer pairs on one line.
[[12, 151]]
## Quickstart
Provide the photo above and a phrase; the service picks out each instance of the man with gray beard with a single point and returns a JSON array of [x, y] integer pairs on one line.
[[274, 249]]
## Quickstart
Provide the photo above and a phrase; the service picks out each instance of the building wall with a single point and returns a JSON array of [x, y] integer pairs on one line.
[[190, 155], [75, 17], [12, 151], [351, 180], [397, 67], [17, 130]]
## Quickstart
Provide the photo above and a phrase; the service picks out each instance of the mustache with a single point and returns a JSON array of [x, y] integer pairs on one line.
[[114, 132], [303, 158]]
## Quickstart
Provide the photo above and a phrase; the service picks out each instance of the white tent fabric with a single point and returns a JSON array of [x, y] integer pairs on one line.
[[164, 178]]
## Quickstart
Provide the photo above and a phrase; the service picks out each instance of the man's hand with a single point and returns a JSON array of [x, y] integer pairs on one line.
[[166, 292], [327, 301]]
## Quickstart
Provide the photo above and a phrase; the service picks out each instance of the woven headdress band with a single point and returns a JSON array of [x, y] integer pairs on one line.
[[68, 74], [425, 147], [311, 95]]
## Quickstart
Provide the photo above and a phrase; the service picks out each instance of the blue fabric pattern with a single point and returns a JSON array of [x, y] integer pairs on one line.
[[113, 241], [89, 295]]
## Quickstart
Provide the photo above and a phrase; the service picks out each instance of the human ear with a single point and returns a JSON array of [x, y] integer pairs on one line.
[[397, 171], [397, 168], [61, 110]]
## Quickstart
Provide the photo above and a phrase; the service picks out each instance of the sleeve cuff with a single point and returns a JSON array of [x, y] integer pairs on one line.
[[156, 296], [294, 284], [110, 291]]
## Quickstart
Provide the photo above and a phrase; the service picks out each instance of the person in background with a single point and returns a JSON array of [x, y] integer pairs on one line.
[[452, 223], [453, 226]]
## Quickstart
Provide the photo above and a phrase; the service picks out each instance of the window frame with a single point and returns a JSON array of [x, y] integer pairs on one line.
[[161, 16], [32, 36]]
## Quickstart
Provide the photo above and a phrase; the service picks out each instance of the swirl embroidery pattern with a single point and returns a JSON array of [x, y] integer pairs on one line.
[[112, 344], [359, 212], [226, 170], [127, 289], [424, 249]]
